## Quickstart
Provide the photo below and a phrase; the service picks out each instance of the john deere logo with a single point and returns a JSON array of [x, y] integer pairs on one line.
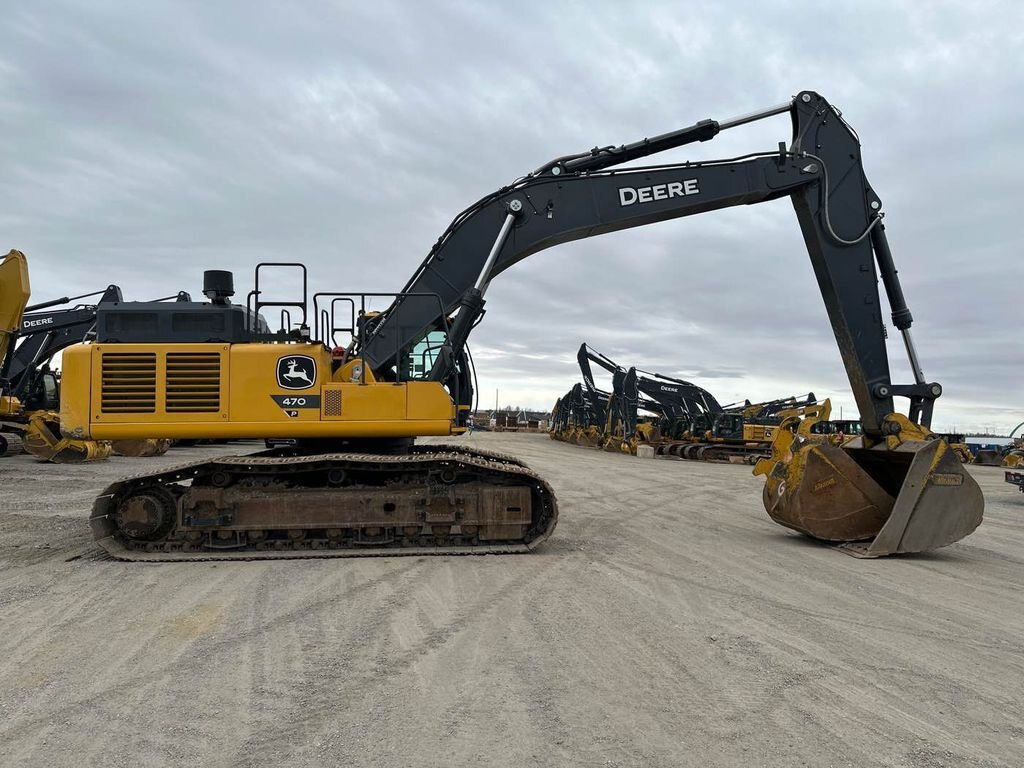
[[296, 372]]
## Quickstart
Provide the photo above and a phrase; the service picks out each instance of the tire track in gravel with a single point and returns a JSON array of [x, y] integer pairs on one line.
[[751, 577], [96, 700], [751, 574], [360, 686]]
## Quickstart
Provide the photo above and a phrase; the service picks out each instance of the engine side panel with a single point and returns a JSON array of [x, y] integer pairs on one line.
[[214, 390]]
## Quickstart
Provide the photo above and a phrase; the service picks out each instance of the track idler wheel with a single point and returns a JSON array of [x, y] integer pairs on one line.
[[147, 513], [901, 495]]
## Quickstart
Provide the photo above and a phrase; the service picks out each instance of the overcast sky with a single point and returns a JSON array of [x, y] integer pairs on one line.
[[143, 142]]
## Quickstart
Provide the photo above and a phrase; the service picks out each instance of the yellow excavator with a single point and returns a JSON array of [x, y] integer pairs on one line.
[[353, 378], [741, 433], [24, 426], [30, 337]]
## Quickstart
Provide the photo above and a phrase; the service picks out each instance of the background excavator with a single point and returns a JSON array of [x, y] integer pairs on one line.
[[743, 432], [841, 430], [355, 484], [617, 426], [1011, 455], [644, 407], [679, 403], [561, 417], [598, 405], [29, 389]]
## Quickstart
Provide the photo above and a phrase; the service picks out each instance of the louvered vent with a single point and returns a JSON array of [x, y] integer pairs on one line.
[[129, 383], [332, 402], [193, 382]]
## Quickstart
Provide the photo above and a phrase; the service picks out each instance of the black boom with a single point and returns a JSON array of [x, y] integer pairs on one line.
[[582, 195]]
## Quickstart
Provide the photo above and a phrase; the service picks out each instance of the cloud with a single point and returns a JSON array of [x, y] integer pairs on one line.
[[144, 143]]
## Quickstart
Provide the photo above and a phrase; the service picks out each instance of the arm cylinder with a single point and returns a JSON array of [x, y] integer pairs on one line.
[[901, 316]]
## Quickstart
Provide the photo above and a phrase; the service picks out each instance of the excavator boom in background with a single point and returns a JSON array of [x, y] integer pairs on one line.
[[354, 484]]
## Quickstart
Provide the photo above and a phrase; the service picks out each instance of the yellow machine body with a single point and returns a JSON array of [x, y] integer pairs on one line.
[[15, 291], [758, 433], [9, 406], [224, 391]]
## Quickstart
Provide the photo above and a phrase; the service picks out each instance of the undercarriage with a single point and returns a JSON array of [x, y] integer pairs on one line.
[[436, 499]]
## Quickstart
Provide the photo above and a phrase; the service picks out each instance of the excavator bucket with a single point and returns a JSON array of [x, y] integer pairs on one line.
[[142, 448], [590, 437], [43, 440], [988, 458], [892, 498]]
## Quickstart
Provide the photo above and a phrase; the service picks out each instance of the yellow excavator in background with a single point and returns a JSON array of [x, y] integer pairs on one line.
[[742, 433], [352, 387], [1009, 456], [14, 296], [30, 337]]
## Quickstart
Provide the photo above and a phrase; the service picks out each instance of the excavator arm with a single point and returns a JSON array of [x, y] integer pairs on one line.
[[679, 398], [585, 195], [597, 406], [43, 334]]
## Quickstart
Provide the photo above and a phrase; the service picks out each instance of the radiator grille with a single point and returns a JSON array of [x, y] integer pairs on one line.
[[128, 383], [332, 402], [193, 382]]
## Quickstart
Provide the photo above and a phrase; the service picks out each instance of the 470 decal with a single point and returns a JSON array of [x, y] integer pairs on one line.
[[297, 401]]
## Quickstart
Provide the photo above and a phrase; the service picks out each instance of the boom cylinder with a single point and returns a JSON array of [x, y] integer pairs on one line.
[[485, 274]]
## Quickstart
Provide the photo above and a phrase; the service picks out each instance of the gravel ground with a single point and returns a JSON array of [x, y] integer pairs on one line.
[[667, 622]]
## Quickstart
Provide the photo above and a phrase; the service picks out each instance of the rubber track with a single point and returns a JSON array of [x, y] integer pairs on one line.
[[484, 460], [725, 450], [13, 432], [12, 445]]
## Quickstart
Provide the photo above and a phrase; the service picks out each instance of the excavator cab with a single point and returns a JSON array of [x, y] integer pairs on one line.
[[45, 394], [728, 426]]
